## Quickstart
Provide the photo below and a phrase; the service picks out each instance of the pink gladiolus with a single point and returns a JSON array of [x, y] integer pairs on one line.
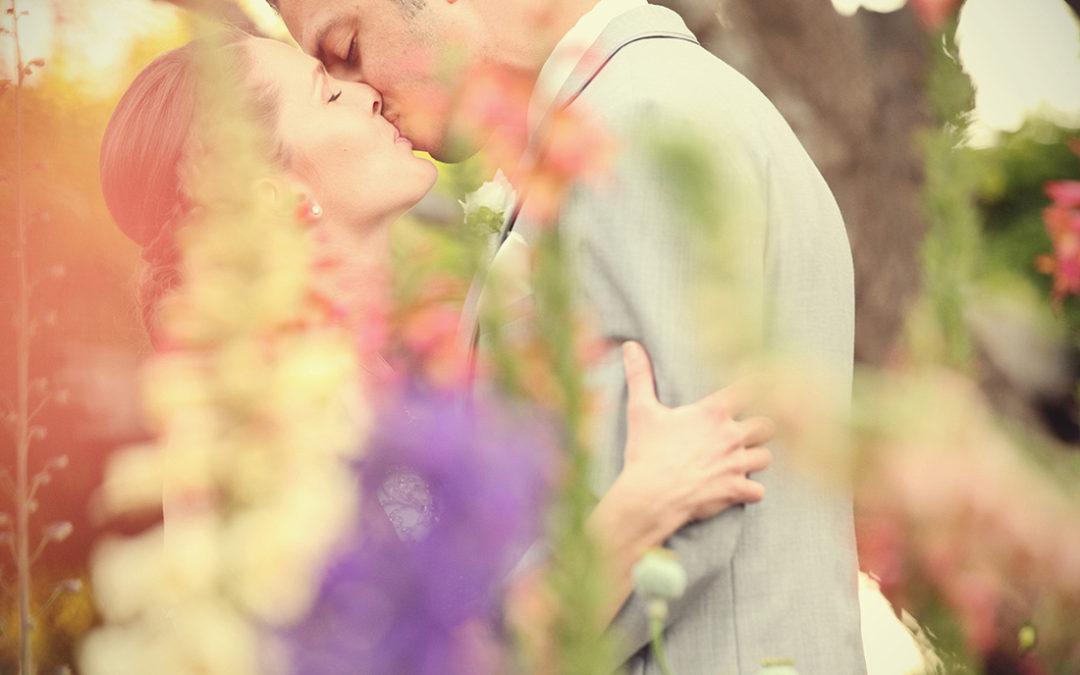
[[1062, 219], [1064, 193]]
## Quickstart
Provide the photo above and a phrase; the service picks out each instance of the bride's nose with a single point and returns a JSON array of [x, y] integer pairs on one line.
[[375, 96]]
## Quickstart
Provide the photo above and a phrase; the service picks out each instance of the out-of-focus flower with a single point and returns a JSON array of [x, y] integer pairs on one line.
[[257, 404], [957, 522], [205, 636], [1062, 219], [934, 13], [487, 208], [136, 577], [574, 148], [426, 342], [406, 606], [1064, 193], [273, 554], [659, 576], [778, 667]]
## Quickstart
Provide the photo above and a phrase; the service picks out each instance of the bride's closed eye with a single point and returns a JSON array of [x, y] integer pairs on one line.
[[336, 96]]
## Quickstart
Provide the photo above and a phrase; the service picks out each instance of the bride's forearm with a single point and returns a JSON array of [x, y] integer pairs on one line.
[[630, 519]]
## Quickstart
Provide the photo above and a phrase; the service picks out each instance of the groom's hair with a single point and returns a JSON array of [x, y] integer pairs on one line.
[[409, 7]]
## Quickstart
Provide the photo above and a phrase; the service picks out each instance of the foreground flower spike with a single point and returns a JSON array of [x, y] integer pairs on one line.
[[659, 577]]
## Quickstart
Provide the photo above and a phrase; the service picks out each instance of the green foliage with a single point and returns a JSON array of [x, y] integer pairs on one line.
[[948, 88], [575, 580], [1011, 199]]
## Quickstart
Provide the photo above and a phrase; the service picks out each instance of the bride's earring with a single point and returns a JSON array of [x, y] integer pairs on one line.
[[308, 211]]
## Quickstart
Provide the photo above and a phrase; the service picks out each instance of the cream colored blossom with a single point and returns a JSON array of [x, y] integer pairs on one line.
[[275, 552], [133, 480], [157, 569], [205, 636]]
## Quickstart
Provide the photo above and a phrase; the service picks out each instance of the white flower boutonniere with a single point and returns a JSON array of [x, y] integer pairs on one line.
[[488, 207]]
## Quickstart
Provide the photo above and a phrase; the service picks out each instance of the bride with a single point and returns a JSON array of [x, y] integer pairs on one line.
[[357, 175]]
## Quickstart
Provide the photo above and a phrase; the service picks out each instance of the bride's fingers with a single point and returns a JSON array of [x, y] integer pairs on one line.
[[732, 399], [748, 491], [740, 491], [757, 431], [641, 389], [755, 459]]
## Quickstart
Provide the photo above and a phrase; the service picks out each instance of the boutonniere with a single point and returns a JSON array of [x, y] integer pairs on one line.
[[488, 207]]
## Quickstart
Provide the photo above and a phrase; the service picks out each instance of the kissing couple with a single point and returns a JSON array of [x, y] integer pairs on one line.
[[770, 558]]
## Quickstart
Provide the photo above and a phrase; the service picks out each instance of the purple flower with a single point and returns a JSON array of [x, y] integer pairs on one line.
[[466, 490]]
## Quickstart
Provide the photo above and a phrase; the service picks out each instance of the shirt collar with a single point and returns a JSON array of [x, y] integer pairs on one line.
[[568, 52]]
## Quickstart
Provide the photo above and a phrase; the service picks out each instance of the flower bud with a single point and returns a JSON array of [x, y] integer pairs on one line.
[[72, 586], [659, 576], [59, 531], [1027, 638], [778, 667]]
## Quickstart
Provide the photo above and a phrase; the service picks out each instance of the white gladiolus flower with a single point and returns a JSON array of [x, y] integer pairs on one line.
[[276, 551], [156, 569], [133, 480], [204, 636]]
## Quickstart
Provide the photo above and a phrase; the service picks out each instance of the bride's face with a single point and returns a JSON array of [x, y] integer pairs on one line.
[[335, 140]]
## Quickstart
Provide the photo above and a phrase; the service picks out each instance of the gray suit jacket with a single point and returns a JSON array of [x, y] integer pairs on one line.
[[776, 579]]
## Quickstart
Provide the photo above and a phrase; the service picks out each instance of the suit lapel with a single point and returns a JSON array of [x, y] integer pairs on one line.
[[638, 24], [642, 23]]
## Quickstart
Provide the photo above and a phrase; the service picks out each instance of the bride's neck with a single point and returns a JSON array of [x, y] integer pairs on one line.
[[353, 272]]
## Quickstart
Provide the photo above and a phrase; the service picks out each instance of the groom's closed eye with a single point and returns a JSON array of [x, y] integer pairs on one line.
[[338, 48]]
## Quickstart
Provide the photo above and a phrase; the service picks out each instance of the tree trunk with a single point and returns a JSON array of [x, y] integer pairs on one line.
[[853, 89]]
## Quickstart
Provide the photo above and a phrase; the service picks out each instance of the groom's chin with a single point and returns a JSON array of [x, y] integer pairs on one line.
[[456, 148]]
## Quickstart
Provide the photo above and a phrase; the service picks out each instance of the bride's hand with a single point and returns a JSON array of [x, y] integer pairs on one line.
[[693, 460], [681, 464]]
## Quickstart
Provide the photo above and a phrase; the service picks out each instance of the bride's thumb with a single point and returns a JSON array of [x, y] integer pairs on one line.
[[641, 388]]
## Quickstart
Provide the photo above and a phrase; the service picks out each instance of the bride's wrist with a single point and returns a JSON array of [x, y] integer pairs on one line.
[[655, 512]]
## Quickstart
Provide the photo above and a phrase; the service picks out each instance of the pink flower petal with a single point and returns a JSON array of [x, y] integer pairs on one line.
[[1064, 193]]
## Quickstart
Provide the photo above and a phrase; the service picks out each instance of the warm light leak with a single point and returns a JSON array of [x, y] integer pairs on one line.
[[99, 45]]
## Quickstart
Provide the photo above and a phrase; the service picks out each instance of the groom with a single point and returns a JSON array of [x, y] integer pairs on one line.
[[772, 580]]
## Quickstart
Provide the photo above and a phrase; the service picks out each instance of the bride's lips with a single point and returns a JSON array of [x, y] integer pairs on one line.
[[398, 138]]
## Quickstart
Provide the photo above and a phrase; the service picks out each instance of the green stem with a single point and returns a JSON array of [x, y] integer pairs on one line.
[[656, 626], [22, 356]]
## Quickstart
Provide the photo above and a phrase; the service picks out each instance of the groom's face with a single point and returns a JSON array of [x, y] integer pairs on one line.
[[406, 49]]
